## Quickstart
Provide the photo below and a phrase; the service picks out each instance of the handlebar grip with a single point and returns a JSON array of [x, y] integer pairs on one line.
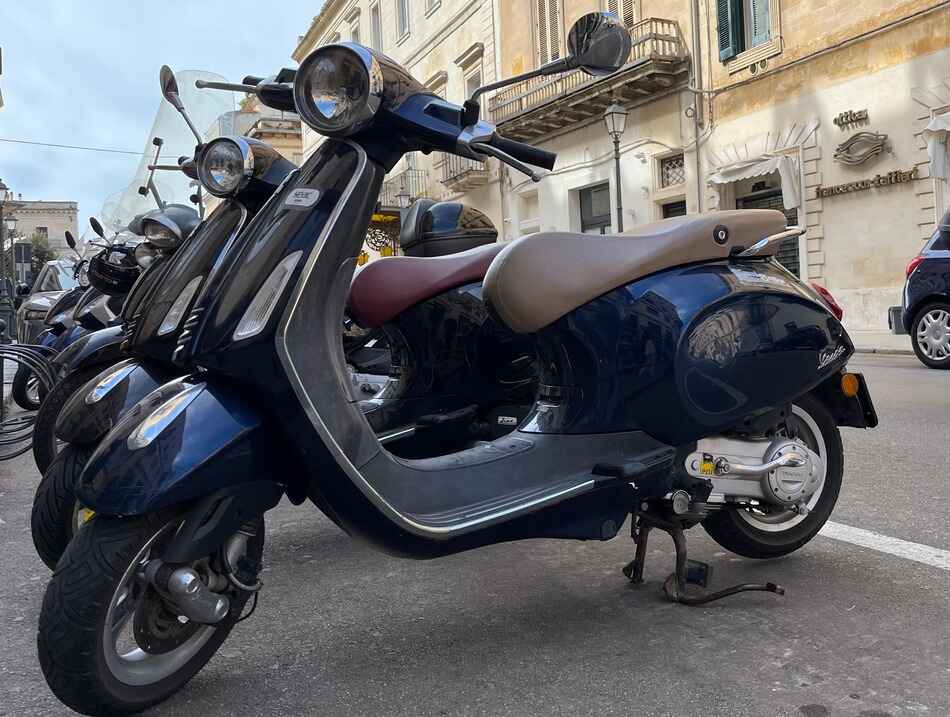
[[252, 80], [525, 152]]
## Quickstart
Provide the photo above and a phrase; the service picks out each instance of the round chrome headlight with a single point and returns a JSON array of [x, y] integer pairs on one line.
[[83, 277], [145, 254], [158, 234], [336, 89], [225, 166]]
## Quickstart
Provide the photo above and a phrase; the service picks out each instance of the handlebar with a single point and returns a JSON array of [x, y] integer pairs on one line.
[[524, 152], [252, 80]]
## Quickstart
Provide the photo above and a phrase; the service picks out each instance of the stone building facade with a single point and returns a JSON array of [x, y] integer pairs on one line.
[[48, 219]]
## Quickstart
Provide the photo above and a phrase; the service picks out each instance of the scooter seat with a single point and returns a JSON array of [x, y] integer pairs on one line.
[[539, 278], [386, 287]]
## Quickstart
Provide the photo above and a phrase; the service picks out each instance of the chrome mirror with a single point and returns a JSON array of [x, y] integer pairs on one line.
[[598, 44], [170, 87], [97, 227]]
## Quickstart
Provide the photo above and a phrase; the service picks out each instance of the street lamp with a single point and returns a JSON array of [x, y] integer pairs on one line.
[[7, 227], [615, 117]]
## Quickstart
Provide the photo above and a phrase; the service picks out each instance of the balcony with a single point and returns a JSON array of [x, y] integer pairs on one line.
[[461, 174], [401, 190], [546, 106]]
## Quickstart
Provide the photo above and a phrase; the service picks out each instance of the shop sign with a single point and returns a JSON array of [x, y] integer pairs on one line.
[[850, 117], [880, 180], [859, 148]]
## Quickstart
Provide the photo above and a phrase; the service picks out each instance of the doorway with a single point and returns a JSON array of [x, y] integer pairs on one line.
[[787, 254], [595, 209]]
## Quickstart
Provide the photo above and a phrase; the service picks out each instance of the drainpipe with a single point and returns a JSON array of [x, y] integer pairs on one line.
[[698, 97]]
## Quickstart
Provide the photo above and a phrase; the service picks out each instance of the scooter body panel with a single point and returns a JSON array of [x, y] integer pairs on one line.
[[686, 353], [91, 348], [68, 337], [84, 419], [185, 440]]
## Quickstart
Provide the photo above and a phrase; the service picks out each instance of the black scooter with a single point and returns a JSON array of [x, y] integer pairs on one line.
[[685, 378]]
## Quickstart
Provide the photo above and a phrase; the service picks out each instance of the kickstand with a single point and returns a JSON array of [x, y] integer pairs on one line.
[[687, 571]]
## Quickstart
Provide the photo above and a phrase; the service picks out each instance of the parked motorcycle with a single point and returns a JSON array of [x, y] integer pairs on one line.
[[685, 378]]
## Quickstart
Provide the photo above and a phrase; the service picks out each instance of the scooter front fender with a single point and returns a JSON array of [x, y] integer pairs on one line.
[[68, 338], [91, 413], [186, 440], [91, 348]]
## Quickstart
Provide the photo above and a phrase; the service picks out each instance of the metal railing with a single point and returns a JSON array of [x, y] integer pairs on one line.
[[455, 169], [402, 189], [653, 39]]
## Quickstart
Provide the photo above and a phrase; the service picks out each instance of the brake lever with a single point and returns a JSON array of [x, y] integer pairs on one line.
[[491, 151]]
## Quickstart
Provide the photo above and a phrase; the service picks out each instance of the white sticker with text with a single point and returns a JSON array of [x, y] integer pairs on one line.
[[302, 198]]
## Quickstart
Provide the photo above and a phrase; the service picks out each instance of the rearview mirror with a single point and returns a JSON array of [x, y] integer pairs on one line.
[[598, 44], [70, 241], [170, 87], [97, 227]]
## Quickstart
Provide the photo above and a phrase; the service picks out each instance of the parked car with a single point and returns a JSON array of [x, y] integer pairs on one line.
[[55, 278], [925, 309]]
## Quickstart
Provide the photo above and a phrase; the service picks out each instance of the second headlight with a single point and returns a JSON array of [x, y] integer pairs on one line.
[[226, 165]]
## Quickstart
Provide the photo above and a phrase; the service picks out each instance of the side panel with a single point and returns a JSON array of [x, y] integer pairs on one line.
[[89, 414], [686, 353], [184, 441]]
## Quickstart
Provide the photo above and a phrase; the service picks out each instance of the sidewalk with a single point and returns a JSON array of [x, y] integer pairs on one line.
[[880, 342]]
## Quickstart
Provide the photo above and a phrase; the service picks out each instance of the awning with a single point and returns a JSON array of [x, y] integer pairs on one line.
[[760, 166], [937, 136]]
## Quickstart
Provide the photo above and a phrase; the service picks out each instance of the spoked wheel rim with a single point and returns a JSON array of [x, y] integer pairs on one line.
[[128, 662], [933, 335], [769, 520]]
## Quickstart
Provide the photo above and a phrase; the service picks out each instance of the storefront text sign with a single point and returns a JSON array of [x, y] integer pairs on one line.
[[851, 117], [881, 180]]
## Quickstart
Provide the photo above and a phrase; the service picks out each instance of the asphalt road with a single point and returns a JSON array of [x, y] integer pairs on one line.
[[553, 628]]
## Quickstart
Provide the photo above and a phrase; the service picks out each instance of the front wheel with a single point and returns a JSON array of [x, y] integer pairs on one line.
[[930, 335], [108, 641], [56, 514], [761, 531]]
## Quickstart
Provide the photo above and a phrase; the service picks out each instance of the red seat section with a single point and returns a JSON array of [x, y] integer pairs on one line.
[[388, 286]]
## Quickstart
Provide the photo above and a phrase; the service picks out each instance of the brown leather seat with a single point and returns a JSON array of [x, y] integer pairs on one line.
[[388, 286], [541, 277]]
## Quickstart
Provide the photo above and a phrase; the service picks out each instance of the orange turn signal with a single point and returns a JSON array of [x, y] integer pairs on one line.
[[849, 385]]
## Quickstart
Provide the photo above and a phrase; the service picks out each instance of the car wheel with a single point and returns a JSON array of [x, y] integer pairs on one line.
[[930, 335]]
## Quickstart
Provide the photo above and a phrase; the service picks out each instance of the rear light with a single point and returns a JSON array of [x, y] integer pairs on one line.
[[913, 264], [829, 300]]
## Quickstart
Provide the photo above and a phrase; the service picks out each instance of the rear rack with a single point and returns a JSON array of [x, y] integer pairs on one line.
[[790, 232]]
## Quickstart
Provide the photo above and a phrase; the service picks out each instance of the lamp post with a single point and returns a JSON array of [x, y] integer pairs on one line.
[[7, 227], [615, 117]]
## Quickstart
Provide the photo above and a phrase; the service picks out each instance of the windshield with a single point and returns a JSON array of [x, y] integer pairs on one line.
[[55, 277], [208, 109]]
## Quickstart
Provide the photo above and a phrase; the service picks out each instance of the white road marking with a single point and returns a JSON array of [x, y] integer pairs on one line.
[[926, 554]]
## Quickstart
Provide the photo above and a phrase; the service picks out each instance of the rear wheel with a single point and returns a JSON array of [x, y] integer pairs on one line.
[[45, 443], [108, 641], [56, 514], [930, 335], [765, 531]]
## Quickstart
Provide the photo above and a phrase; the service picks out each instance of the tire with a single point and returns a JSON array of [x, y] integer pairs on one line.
[[21, 389], [44, 436], [75, 654], [53, 520], [923, 345], [737, 532]]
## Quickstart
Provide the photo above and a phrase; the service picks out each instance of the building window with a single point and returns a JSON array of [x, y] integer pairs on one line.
[[674, 209], [376, 26], [626, 10], [355, 30], [595, 209], [473, 82], [402, 17], [672, 171], [432, 6], [742, 25], [787, 253], [42, 232], [548, 27]]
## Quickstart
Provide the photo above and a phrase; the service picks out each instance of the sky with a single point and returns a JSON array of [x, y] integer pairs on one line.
[[85, 72]]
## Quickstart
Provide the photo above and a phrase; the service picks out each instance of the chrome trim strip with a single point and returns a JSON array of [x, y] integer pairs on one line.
[[789, 232], [117, 375], [404, 521], [395, 434], [163, 416]]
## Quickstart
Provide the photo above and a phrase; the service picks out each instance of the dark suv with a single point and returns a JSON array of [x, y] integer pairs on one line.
[[925, 311]]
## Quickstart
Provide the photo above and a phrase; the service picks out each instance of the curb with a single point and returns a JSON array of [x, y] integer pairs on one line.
[[885, 352]]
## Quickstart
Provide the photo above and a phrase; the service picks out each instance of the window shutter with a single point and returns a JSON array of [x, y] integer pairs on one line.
[[549, 30], [729, 25], [761, 31], [623, 9]]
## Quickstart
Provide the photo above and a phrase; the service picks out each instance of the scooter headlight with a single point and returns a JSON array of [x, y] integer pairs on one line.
[[158, 234], [336, 89], [145, 254], [225, 167]]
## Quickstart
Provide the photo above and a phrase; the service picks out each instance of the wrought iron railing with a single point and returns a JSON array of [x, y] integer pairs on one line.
[[402, 189], [653, 39], [455, 168]]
